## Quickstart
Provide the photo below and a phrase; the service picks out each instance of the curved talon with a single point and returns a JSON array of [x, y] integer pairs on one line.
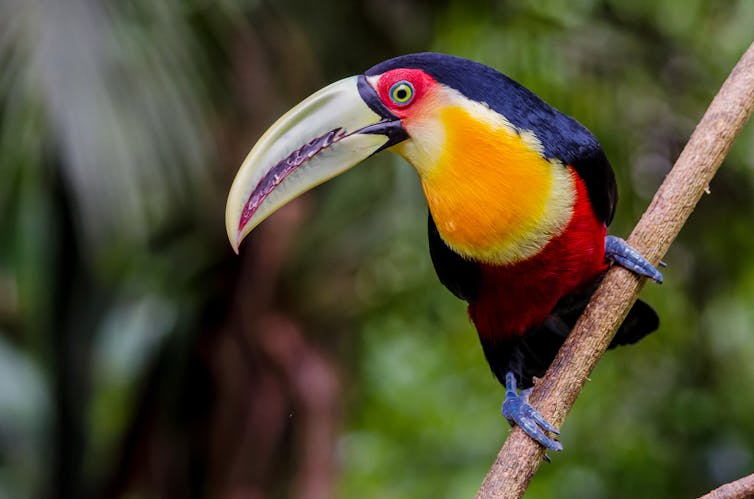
[[517, 410], [617, 250]]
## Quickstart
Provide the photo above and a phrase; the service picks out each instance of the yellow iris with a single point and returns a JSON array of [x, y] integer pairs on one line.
[[402, 92]]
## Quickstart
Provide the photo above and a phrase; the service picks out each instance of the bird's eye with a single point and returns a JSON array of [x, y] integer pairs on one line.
[[401, 93]]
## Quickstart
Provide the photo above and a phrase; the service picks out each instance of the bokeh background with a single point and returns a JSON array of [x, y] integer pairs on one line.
[[141, 358]]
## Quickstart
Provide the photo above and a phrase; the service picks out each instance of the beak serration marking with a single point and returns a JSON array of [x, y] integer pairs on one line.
[[280, 171]]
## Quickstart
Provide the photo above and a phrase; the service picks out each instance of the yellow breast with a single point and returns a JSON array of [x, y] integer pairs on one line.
[[492, 194]]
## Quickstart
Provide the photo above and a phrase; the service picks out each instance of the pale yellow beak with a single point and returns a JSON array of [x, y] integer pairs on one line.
[[323, 136]]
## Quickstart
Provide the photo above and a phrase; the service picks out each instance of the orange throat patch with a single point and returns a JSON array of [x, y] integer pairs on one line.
[[492, 194]]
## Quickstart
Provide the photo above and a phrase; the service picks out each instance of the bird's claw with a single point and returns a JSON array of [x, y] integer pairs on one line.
[[517, 410], [617, 250]]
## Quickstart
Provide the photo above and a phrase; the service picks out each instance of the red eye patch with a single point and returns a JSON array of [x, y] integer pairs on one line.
[[419, 84]]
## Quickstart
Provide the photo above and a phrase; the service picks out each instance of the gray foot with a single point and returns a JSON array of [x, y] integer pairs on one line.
[[517, 410], [617, 250]]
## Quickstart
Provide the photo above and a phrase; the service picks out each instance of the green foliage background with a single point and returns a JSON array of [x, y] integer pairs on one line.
[[122, 123]]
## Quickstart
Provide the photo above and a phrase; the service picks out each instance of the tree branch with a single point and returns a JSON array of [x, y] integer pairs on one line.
[[740, 489], [555, 394]]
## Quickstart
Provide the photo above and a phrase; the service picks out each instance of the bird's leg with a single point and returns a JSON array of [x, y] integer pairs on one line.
[[517, 410], [617, 250]]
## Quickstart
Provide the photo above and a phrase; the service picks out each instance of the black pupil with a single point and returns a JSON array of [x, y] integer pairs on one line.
[[401, 93]]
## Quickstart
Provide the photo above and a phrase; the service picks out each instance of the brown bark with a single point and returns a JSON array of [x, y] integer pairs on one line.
[[740, 489], [554, 395]]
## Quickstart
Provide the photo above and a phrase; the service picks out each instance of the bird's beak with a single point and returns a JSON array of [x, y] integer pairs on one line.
[[323, 136]]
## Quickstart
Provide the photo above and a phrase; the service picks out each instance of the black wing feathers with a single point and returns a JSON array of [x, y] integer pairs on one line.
[[595, 170], [462, 277]]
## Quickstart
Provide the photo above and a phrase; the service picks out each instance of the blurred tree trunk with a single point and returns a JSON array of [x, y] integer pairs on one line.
[[260, 408]]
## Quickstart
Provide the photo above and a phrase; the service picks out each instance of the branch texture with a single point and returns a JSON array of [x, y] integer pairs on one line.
[[556, 393], [740, 489]]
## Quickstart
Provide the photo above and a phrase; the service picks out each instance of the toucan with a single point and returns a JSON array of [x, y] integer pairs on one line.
[[519, 194]]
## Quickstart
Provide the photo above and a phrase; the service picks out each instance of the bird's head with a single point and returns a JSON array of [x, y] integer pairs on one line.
[[494, 194]]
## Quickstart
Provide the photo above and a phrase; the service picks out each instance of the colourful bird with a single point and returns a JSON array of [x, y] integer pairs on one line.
[[519, 195]]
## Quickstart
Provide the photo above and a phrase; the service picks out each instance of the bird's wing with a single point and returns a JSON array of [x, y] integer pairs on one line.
[[462, 277], [593, 167], [639, 322]]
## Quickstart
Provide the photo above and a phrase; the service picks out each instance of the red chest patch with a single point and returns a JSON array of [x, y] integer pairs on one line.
[[515, 298]]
